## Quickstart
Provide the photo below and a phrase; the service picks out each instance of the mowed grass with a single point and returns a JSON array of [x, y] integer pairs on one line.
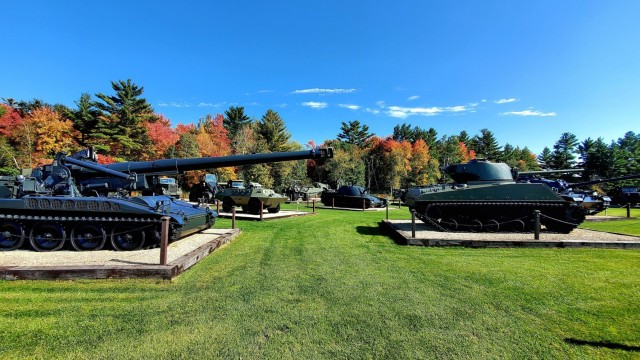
[[627, 227], [331, 285]]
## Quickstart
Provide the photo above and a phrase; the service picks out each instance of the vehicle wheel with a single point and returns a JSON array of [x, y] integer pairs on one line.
[[128, 237], [11, 236], [47, 236], [207, 196], [492, 225], [88, 237], [227, 204], [254, 206], [274, 210], [475, 225], [450, 224]]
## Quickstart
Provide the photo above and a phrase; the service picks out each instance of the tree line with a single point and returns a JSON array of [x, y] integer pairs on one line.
[[123, 126]]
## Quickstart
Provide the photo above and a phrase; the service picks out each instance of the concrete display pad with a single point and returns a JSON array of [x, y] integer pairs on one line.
[[354, 209], [66, 264], [241, 215], [427, 236]]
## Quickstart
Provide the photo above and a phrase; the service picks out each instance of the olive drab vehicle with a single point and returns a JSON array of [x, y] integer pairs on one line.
[[485, 197], [76, 201], [250, 198]]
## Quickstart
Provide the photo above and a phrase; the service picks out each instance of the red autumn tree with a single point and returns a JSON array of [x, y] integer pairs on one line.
[[162, 135]]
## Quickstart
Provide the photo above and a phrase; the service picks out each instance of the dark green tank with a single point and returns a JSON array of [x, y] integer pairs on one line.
[[485, 197]]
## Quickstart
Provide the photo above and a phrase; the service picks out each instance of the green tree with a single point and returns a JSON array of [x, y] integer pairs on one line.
[[563, 155], [485, 145], [126, 114], [273, 130], [234, 120], [545, 157], [403, 132], [354, 133], [86, 119]]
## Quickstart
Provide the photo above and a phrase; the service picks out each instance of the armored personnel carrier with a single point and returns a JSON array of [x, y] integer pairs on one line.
[[76, 201], [485, 197], [249, 198]]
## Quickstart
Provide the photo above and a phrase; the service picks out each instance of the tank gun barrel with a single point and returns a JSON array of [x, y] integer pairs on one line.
[[600, 181], [96, 167], [547, 172], [178, 166]]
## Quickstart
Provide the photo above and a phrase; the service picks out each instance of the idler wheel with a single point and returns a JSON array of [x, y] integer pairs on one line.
[[433, 212], [11, 236], [88, 237], [128, 237], [492, 225], [47, 236], [475, 225]]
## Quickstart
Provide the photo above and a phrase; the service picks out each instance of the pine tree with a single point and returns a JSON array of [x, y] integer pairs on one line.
[[563, 151], [234, 120], [354, 133], [486, 146], [272, 129]]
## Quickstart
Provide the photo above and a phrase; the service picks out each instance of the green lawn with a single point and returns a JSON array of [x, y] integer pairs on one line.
[[628, 227], [331, 286]]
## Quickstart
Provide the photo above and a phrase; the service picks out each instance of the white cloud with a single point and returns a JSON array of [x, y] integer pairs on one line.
[[414, 97], [529, 113], [405, 112], [208, 104], [372, 111], [505, 101], [349, 106], [380, 103], [315, 104], [174, 104], [323, 91]]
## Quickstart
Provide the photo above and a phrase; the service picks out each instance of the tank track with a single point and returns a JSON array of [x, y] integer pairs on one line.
[[495, 216], [83, 233]]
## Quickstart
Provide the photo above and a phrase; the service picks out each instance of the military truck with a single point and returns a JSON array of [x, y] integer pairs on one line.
[[170, 187]]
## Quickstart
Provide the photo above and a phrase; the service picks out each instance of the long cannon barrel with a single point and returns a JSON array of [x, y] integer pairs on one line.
[[178, 166], [547, 172], [600, 181]]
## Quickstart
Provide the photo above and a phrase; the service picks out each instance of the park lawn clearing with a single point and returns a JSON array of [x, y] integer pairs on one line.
[[627, 227], [332, 286]]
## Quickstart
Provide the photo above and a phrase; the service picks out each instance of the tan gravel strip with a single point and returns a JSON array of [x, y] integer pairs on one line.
[[108, 257]]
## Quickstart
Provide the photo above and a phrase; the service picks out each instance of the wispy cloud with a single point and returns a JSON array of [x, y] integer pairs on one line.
[[173, 104], [208, 104], [529, 113], [350, 106], [505, 101], [315, 104], [405, 112], [414, 97], [372, 111], [323, 91]]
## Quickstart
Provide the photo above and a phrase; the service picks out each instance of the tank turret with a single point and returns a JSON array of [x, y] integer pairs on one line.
[[76, 201]]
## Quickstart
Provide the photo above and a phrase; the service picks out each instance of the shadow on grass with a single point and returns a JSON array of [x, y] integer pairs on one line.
[[604, 344], [368, 230]]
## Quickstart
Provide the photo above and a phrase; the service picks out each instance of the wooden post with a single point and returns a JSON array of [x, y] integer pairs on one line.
[[387, 210], [536, 215], [364, 204], [413, 223], [261, 209], [314, 205], [399, 203], [164, 239], [233, 217], [333, 203], [628, 209], [217, 205]]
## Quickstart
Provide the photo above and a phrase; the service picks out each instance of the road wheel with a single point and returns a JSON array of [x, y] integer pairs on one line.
[[47, 236], [128, 237], [11, 235], [88, 237]]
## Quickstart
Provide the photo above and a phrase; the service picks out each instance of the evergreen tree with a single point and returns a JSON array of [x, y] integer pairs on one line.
[[354, 133], [272, 129], [234, 120], [126, 113], [545, 157], [403, 132], [86, 119], [563, 151], [464, 137], [486, 146]]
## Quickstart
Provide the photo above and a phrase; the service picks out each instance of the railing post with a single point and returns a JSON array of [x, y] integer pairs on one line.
[[261, 209], [364, 204], [217, 205], [164, 239], [536, 215], [628, 209], [233, 217], [387, 210], [314, 205], [333, 203], [413, 223]]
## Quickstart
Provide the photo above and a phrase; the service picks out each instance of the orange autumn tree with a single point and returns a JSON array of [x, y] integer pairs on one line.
[[391, 161], [422, 165], [465, 154], [162, 136], [213, 140], [42, 134]]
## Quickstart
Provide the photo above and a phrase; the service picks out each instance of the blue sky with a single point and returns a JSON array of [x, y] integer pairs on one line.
[[526, 70]]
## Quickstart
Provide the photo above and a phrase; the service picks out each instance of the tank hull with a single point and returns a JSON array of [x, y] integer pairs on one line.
[[494, 207]]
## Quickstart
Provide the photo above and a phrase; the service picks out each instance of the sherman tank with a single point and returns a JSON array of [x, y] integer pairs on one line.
[[76, 201], [485, 197]]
